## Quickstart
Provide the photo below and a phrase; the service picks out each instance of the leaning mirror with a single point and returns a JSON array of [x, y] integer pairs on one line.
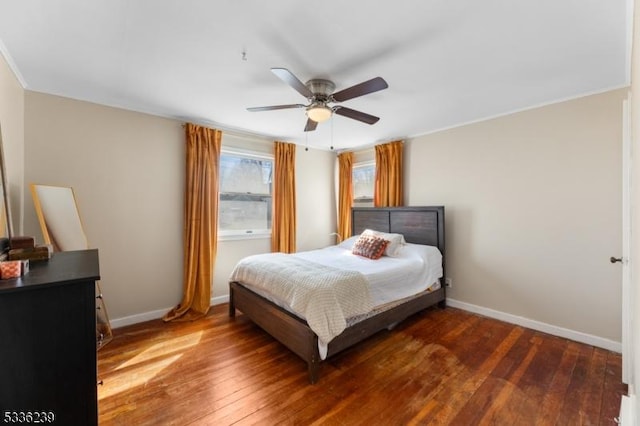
[[59, 218], [6, 227], [61, 227]]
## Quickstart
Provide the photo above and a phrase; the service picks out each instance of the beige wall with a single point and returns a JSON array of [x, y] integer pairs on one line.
[[12, 124], [316, 204], [127, 170], [533, 211]]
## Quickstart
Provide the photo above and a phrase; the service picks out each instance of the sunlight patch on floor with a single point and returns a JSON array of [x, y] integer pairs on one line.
[[164, 347], [129, 379], [146, 365]]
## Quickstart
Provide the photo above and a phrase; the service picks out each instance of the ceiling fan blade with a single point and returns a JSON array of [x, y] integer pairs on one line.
[[364, 88], [356, 115], [286, 76], [311, 125], [274, 107]]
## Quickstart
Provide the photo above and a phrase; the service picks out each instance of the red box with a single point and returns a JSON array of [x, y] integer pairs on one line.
[[10, 269]]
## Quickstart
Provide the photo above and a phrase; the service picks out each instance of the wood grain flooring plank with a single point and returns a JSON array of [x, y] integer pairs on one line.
[[571, 413]]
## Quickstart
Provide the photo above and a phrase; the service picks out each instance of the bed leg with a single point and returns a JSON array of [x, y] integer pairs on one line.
[[232, 306], [313, 367], [442, 304]]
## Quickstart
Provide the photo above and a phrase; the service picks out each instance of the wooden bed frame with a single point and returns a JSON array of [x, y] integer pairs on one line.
[[419, 225]]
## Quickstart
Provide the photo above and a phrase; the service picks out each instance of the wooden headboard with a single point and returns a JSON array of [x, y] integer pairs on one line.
[[419, 225]]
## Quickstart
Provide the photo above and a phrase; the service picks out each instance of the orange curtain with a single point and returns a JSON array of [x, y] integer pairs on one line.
[[345, 193], [200, 222], [283, 227], [388, 185]]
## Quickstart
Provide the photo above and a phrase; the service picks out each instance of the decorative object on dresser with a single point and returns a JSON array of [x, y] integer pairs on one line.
[[22, 242], [62, 230], [10, 269], [422, 226], [25, 248], [39, 252], [47, 329]]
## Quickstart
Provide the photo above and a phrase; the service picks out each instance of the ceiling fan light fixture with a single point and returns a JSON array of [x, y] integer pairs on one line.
[[319, 113]]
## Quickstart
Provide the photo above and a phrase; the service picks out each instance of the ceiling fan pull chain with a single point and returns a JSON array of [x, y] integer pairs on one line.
[[331, 132]]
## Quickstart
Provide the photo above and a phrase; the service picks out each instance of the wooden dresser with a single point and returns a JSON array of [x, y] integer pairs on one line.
[[48, 342]]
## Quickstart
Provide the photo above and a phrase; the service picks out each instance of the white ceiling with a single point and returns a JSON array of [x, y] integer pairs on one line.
[[446, 62]]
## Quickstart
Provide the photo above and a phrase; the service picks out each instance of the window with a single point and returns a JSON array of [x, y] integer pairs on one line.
[[363, 175], [245, 194]]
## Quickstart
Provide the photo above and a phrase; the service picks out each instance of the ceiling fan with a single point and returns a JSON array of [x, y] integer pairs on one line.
[[319, 93]]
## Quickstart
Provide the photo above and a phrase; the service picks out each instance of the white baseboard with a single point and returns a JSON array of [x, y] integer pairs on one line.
[[539, 326], [134, 319], [219, 300], [627, 411], [157, 314]]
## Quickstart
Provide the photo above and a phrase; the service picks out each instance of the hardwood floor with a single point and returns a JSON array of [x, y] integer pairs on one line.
[[437, 367]]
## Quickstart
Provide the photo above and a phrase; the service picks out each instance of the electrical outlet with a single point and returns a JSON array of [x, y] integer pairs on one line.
[[448, 282]]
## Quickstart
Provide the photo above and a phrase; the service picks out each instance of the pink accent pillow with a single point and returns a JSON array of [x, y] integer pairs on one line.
[[370, 246]]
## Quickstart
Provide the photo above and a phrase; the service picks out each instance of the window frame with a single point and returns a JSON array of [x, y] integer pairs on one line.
[[245, 234]]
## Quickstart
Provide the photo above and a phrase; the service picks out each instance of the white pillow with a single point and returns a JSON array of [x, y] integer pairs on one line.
[[396, 241]]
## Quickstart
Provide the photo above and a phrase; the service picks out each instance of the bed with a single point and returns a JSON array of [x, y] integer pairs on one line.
[[418, 225]]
